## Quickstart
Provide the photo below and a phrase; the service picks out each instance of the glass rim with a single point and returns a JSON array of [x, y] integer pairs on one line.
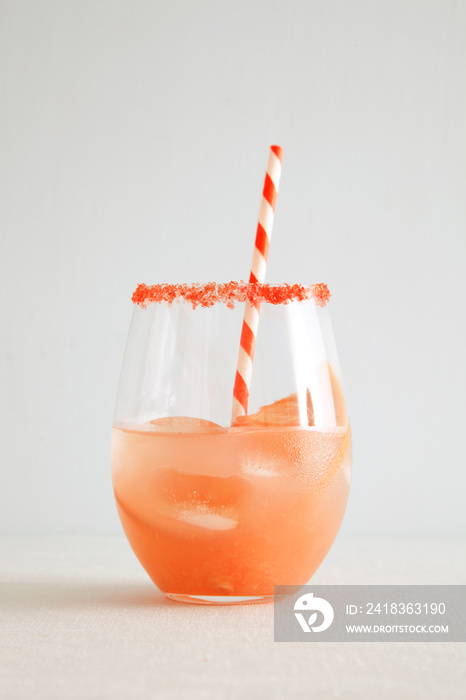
[[207, 295]]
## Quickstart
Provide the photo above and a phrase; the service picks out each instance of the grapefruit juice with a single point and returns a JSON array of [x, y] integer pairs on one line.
[[216, 512]]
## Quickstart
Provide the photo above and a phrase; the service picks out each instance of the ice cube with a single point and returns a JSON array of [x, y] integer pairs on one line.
[[208, 518], [184, 424]]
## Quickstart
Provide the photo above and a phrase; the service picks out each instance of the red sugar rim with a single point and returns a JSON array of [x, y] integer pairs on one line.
[[214, 293]]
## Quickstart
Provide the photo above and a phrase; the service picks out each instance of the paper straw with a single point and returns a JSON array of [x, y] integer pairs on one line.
[[258, 269]]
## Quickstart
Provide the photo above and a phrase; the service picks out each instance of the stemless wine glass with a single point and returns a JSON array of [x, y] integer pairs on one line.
[[219, 512]]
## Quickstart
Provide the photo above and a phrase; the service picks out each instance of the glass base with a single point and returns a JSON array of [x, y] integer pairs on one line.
[[219, 599]]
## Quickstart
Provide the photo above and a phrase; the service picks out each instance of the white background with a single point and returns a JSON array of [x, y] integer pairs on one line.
[[134, 138]]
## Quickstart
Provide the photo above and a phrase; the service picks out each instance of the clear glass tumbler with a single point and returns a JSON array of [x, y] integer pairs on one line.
[[216, 511]]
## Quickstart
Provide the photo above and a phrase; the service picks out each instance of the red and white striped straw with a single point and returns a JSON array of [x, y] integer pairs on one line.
[[258, 269]]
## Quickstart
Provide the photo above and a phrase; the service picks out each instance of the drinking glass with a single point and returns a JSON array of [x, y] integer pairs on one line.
[[221, 512]]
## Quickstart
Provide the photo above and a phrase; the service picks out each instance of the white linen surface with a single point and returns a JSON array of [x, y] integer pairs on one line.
[[80, 619]]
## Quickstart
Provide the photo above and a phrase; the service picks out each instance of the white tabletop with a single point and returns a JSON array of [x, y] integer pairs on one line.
[[80, 619]]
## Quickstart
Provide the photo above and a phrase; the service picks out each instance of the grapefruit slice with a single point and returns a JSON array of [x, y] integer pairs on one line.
[[341, 417], [283, 412]]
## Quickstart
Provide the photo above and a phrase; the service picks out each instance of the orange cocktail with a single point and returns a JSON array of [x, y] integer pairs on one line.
[[230, 512]]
